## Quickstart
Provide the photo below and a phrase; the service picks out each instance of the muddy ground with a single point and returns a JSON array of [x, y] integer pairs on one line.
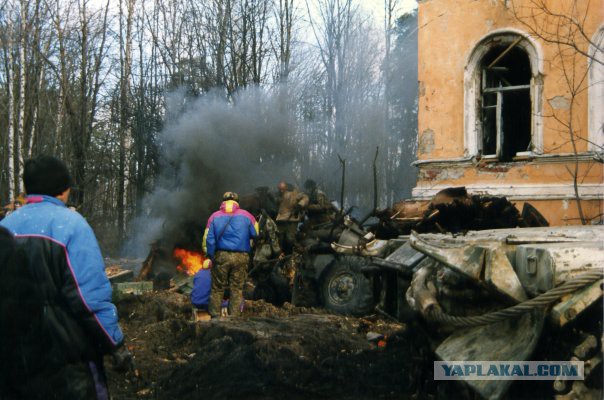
[[269, 353], [293, 353]]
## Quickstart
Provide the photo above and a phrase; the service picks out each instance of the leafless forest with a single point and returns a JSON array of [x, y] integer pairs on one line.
[[106, 85]]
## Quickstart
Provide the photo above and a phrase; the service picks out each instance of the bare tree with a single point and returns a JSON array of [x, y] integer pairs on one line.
[[23, 33], [12, 146], [39, 56], [565, 29], [285, 19], [222, 14], [22, 67], [332, 37], [89, 83], [125, 133], [400, 103]]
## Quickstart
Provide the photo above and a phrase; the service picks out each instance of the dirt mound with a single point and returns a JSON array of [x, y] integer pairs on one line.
[[268, 353]]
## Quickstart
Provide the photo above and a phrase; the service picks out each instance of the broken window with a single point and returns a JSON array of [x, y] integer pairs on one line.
[[505, 101]]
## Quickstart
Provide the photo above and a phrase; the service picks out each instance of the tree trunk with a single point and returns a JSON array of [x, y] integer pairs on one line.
[[21, 118], [124, 127], [11, 148]]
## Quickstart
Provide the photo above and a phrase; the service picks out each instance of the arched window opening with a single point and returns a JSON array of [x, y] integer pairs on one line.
[[505, 102]]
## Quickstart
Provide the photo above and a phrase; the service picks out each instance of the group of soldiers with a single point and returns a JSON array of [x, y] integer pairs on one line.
[[299, 214], [284, 219], [304, 210]]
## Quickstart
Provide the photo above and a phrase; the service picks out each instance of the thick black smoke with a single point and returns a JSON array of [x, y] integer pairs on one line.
[[210, 147]]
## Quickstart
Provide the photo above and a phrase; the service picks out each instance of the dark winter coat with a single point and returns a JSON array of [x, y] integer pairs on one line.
[[55, 299]]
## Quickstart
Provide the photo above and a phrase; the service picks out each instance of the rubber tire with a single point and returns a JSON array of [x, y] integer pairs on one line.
[[357, 298]]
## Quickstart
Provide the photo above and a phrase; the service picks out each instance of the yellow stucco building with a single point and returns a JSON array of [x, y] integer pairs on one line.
[[511, 102]]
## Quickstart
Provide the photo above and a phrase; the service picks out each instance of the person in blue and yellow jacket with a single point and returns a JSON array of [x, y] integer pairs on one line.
[[57, 320], [227, 241]]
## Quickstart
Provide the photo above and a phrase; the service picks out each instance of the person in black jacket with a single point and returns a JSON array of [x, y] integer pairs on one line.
[[56, 316]]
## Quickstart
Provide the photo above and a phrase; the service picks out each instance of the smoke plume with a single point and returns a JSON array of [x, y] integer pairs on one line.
[[210, 146]]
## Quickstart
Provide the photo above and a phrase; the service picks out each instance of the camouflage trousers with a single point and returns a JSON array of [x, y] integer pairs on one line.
[[229, 271], [289, 268], [305, 290]]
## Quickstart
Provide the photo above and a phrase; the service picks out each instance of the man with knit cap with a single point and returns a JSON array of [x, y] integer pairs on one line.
[[55, 299], [227, 241]]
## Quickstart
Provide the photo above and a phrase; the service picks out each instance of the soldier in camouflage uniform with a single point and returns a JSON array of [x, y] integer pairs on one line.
[[320, 214], [291, 212], [267, 244], [319, 209], [227, 241], [318, 230], [268, 248]]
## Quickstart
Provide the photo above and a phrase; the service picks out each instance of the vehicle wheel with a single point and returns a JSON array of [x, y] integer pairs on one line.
[[346, 290]]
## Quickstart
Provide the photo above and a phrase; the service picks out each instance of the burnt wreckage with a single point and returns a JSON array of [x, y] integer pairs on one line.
[[334, 261], [485, 281], [482, 280]]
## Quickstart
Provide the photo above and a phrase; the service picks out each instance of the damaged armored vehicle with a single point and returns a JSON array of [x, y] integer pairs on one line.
[[511, 294], [521, 293], [501, 295], [334, 262]]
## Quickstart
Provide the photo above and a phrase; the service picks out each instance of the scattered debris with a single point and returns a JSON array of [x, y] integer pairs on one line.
[[453, 210], [439, 284], [270, 352], [115, 273]]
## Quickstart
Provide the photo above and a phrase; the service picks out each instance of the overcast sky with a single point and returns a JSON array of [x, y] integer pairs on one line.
[[376, 7]]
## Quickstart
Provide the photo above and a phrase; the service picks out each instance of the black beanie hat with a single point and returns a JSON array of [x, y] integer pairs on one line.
[[46, 175]]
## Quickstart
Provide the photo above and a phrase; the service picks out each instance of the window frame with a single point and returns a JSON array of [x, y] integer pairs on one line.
[[499, 133], [473, 79]]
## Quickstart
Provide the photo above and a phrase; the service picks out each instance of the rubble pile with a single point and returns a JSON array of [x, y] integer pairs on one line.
[[287, 352], [454, 210]]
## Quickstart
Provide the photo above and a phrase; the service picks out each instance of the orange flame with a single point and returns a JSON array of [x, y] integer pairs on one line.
[[190, 261]]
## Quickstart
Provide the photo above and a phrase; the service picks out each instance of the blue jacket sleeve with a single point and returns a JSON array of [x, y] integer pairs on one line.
[[93, 286], [253, 229], [210, 240]]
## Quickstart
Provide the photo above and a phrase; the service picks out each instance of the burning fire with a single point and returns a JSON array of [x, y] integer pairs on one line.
[[190, 261]]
